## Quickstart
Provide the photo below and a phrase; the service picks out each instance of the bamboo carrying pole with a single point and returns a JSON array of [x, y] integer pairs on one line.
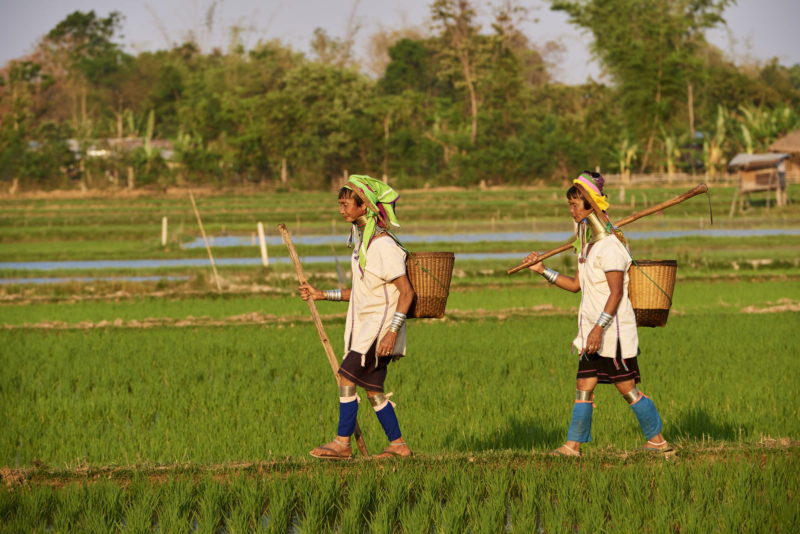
[[205, 240], [323, 336], [698, 190]]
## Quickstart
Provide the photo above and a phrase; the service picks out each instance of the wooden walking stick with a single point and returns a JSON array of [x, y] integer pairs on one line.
[[698, 190], [323, 336]]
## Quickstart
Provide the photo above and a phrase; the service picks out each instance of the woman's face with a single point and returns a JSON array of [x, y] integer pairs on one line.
[[349, 210], [577, 210]]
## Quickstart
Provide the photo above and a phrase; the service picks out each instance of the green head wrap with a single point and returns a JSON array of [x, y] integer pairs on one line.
[[380, 204]]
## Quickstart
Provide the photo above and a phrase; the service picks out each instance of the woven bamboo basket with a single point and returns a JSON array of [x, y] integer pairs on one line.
[[430, 274], [650, 290]]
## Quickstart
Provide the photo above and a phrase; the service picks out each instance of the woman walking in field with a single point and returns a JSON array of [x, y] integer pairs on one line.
[[380, 297], [607, 337]]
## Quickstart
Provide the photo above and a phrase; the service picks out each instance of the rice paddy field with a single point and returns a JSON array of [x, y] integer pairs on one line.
[[169, 406]]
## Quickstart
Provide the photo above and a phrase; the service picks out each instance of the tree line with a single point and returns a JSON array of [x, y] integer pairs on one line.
[[460, 105]]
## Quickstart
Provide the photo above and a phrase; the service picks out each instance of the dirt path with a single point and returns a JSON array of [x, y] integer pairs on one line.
[[258, 318], [609, 457]]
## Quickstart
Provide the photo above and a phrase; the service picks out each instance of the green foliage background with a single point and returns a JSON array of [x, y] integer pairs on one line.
[[458, 106]]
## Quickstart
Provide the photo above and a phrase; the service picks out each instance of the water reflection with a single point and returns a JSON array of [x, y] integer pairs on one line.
[[241, 241]]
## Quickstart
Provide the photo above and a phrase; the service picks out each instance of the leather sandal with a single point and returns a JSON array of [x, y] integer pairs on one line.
[[565, 451], [657, 447], [330, 452], [389, 453]]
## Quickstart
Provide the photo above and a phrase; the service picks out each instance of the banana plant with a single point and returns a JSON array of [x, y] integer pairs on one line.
[[672, 152], [625, 154], [713, 147]]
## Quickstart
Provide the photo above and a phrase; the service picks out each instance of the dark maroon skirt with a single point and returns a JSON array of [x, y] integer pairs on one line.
[[371, 374], [609, 370]]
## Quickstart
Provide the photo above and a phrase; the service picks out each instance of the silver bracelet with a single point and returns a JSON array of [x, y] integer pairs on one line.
[[333, 294], [397, 322], [604, 320], [550, 275]]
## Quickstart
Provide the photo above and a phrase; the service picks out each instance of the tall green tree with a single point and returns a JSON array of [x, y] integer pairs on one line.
[[31, 148], [316, 120], [81, 51], [650, 49], [460, 51]]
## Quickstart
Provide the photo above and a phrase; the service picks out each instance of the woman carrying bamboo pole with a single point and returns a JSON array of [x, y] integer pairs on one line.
[[607, 340], [379, 298]]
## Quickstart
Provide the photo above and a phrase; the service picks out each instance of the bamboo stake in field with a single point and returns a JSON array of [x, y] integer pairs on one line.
[[205, 240], [262, 243], [323, 336], [700, 189], [164, 231]]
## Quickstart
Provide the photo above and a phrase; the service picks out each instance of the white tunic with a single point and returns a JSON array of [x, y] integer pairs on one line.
[[373, 299], [607, 254]]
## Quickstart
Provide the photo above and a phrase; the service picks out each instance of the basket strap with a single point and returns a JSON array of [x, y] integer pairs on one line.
[[397, 240]]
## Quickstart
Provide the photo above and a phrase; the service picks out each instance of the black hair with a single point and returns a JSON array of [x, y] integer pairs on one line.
[[346, 192], [574, 192]]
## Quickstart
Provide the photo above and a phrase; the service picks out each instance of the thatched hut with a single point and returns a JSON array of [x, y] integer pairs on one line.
[[789, 144], [759, 173]]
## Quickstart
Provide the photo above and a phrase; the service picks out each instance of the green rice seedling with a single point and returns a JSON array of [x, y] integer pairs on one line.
[[224, 394], [318, 495], [488, 507], [775, 492], [708, 485], [281, 508], [355, 504], [141, 505], [212, 506], [529, 497], [104, 504], [393, 490], [9, 504], [758, 497], [30, 510], [454, 515], [739, 509], [68, 508], [666, 497], [176, 502], [562, 494], [716, 496], [624, 511], [12, 517], [420, 514], [689, 495], [248, 498]]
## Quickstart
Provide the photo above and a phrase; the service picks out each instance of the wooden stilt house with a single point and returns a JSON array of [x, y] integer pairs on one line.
[[759, 173], [789, 144]]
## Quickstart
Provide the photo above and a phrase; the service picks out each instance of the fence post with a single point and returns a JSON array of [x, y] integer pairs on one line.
[[164, 231], [262, 243]]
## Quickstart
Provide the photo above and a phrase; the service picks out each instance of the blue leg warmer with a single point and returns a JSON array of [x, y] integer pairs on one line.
[[389, 422], [347, 418], [647, 414], [580, 428]]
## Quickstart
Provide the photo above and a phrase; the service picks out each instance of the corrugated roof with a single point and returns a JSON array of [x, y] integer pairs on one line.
[[756, 161], [788, 143]]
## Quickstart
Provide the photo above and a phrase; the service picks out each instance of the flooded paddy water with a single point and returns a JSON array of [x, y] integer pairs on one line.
[[523, 238]]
